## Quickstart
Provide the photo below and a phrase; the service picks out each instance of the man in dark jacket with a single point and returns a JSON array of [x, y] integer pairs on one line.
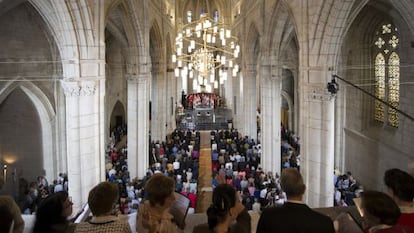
[[294, 216]]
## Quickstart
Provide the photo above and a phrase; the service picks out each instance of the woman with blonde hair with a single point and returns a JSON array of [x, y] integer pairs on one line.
[[153, 214]]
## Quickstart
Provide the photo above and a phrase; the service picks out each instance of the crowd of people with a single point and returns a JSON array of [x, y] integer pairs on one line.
[[237, 159], [239, 185], [346, 189], [30, 194], [177, 157]]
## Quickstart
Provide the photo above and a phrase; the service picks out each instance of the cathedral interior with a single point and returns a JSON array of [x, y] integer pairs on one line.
[[71, 70]]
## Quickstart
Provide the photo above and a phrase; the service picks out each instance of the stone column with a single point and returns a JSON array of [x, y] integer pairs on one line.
[[138, 124], [270, 128], [249, 125], [317, 117], [176, 98], [228, 90], [85, 156], [158, 106]]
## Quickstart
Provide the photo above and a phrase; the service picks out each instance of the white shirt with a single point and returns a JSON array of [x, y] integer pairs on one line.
[[176, 165], [58, 188], [256, 206], [189, 175], [263, 193], [193, 187], [111, 172]]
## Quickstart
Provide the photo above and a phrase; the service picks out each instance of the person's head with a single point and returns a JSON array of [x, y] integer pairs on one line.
[[226, 203], [102, 198], [400, 185], [54, 209], [160, 190], [379, 208], [292, 184]]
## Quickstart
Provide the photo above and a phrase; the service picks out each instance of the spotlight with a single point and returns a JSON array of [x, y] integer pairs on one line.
[[333, 86]]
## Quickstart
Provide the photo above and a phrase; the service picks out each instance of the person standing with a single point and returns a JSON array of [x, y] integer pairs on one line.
[[294, 216]]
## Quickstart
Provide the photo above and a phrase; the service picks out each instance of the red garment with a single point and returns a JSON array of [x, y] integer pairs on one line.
[[162, 152], [114, 156], [396, 229], [193, 199], [406, 219]]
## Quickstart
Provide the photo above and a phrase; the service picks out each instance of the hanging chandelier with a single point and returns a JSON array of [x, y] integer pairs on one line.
[[205, 52]]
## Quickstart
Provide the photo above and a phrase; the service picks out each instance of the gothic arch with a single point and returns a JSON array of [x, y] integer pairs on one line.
[[47, 118], [282, 28], [156, 45], [118, 109], [252, 44]]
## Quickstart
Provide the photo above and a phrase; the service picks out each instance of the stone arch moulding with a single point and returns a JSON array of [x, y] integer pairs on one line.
[[281, 17], [117, 105], [47, 120], [156, 39], [254, 40]]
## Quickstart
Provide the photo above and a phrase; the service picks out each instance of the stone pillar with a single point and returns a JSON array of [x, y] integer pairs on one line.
[[249, 125], [270, 129], [85, 155], [317, 152], [228, 90], [138, 124], [158, 106], [176, 98]]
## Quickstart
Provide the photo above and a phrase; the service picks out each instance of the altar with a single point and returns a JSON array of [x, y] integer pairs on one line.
[[202, 111]]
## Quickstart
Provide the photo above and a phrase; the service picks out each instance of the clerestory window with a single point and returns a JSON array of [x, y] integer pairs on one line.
[[387, 74]]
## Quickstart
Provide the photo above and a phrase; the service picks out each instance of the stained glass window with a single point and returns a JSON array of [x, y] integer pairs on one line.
[[387, 74], [379, 86], [393, 88]]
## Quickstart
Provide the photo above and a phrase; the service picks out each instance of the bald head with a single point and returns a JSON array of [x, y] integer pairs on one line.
[[292, 184]]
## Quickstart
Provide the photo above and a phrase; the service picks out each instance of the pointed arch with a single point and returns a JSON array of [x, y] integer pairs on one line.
[[156, 45], [282, 28], [253, 44], [387, 72], [118, 110], [47, 119]]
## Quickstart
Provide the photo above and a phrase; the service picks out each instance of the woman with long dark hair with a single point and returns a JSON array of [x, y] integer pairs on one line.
[[225, 208], [52, 214]]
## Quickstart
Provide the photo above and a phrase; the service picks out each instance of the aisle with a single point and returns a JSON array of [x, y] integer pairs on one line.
[[204, 191]]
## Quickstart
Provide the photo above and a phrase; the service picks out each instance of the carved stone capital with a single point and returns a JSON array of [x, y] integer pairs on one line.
[[79, 88]]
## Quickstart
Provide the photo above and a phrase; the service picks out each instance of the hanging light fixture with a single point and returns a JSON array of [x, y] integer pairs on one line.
[[205, 49]]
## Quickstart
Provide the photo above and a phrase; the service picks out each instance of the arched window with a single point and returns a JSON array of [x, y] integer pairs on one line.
[[387, 74]]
